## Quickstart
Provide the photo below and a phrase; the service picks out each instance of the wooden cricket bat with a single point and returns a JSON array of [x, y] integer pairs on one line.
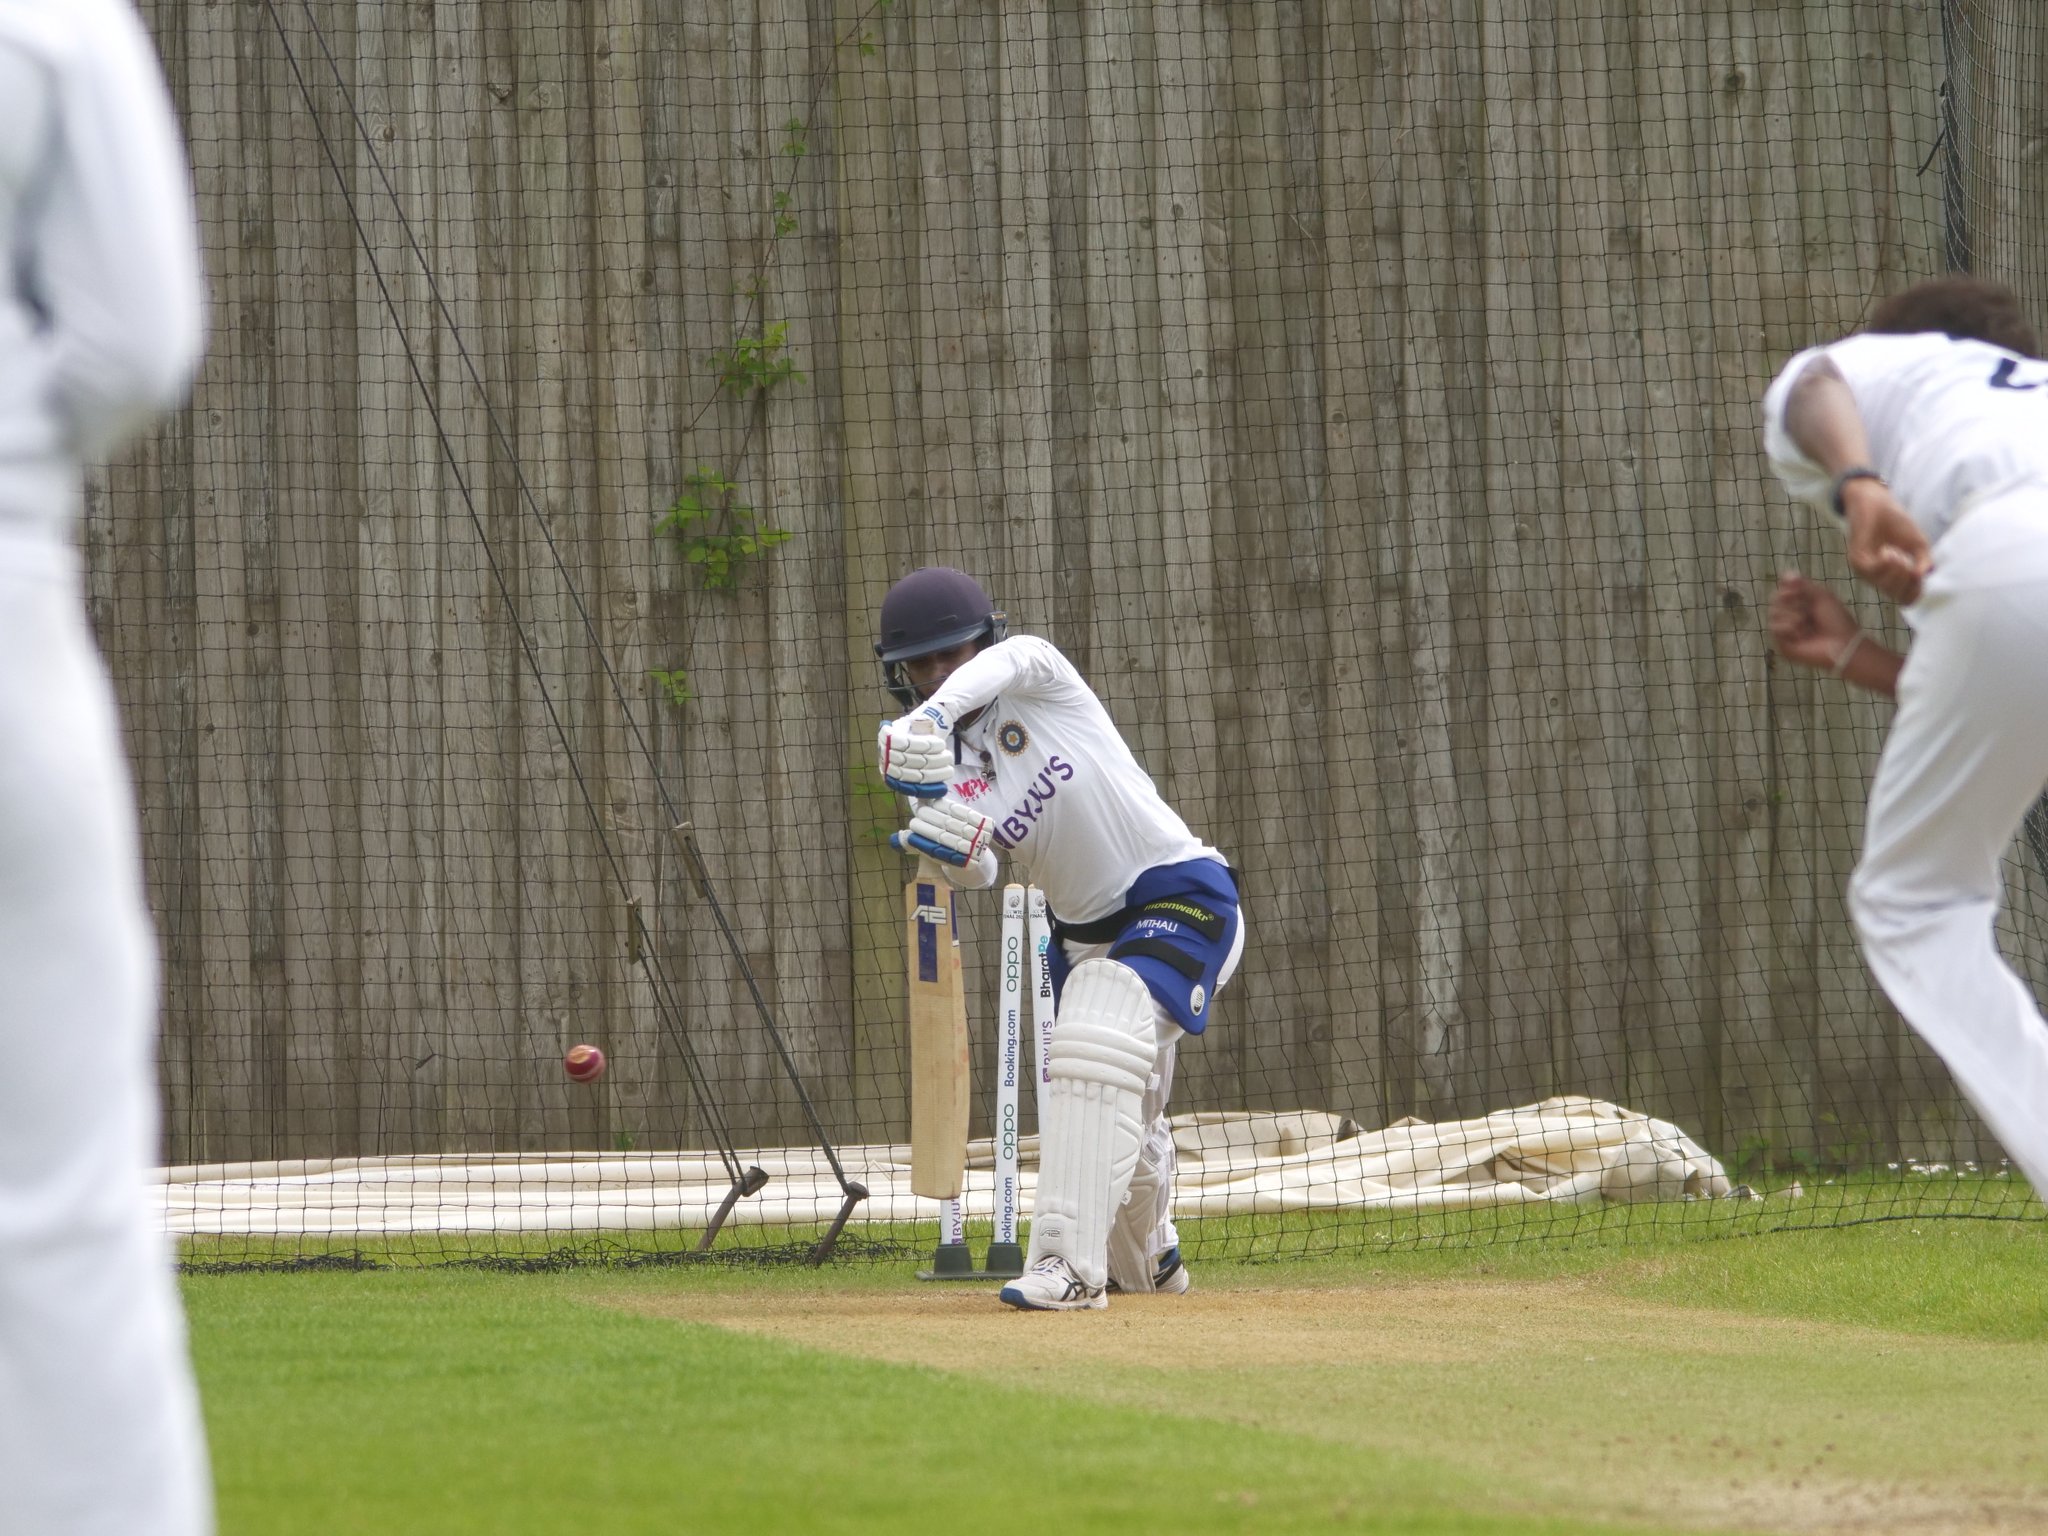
[[938, 1038]]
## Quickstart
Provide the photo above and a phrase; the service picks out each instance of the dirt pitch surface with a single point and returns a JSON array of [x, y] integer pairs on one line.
[[1559, 1396]]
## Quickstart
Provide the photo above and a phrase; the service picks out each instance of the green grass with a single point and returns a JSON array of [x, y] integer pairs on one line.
[[460, 1403], [1673, 1384]]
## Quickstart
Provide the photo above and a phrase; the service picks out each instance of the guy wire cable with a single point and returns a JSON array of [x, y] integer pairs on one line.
[[624, 703], [726, 1143]]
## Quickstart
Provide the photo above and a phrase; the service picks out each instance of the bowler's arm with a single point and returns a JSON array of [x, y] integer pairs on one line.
[[1887, 550]]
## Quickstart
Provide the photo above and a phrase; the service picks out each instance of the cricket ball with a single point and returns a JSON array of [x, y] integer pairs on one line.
[[585, 1063]]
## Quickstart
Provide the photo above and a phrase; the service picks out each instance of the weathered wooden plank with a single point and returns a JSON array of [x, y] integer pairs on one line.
[[873, 290], [1441, 406], [1120, 309], [1755, 205], [233, 479], [1185, 455], [625, 400], [1668, 218], [1604, 368], [2000, 68], [954, 284], [813, 647], [1026, 559], [1023, 558], [1387, 900], [1363, 444], [1070, 618], [312, 999], [1271, 653], [735, 714], [462, 79], [388, 161], [672, 1111], [1525, 1007]]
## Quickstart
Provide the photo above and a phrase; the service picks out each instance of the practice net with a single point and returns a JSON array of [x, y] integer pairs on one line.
[[1365, 398]]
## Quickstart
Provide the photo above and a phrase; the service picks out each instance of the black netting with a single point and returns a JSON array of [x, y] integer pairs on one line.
[[1365, 398]]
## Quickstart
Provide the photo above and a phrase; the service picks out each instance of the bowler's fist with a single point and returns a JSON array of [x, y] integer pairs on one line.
[[585, 1063], [1809, 624]]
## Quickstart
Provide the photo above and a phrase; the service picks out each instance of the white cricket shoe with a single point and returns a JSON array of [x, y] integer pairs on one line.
[[1171, 1278], [1052, 1285]]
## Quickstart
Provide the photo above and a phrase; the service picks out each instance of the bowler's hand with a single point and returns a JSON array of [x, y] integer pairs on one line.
[[1810, 626], [1887, 550]]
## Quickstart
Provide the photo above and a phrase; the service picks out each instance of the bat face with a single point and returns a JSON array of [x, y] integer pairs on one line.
[[938, 1038]]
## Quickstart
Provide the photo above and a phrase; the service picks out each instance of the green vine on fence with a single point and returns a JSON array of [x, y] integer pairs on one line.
[[719, 535]]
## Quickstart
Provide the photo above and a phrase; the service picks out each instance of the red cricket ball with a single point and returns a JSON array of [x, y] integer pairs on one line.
[[585, 1063]]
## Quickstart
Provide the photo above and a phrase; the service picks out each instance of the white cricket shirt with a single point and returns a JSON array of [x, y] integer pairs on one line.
[[1952, 424], [100, 305], [1071, 805]]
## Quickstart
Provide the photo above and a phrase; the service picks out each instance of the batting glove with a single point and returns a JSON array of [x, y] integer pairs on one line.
[[951, 831], [916, 753]]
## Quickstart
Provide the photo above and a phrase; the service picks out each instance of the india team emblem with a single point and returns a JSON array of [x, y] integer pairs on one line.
[[1197, 1001], [1012, 737]]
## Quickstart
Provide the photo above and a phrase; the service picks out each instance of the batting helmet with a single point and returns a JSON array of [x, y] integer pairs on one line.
[[933, 609]]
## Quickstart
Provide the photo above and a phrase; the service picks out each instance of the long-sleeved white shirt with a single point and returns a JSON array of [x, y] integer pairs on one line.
[[1071, 804], [101, 306]]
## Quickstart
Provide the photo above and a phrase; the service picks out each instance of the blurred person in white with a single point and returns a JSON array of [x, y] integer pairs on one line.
[[1927, 436], [100, 331]]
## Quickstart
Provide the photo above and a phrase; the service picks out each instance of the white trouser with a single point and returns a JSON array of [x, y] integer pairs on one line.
[[1143, 1228], [99, 1423], [1966, 756]]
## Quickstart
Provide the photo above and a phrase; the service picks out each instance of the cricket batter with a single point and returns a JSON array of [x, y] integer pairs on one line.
[[100, 331], [1928, 436], [1145, 916]]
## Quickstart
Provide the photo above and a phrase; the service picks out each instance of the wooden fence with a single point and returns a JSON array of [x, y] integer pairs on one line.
[[1363, 394]]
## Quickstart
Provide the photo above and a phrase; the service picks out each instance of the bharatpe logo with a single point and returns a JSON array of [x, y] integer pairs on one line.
[[1045, 1014]]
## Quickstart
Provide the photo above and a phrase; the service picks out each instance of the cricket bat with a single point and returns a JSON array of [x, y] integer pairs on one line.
[[938, 1038]]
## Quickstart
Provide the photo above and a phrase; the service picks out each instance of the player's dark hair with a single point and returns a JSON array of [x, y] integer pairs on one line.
[[1967, 308]]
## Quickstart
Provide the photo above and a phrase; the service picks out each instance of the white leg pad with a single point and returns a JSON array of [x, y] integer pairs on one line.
[[1134, 1245], [1103, 1050]]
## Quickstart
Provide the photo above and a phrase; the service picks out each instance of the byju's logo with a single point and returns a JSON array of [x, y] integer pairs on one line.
[[1017, 826]]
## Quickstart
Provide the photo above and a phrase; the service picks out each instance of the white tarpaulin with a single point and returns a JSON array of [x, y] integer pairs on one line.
[[1570, 1150]]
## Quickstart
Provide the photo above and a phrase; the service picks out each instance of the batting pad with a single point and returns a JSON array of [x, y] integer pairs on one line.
[[1102, 1053]]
